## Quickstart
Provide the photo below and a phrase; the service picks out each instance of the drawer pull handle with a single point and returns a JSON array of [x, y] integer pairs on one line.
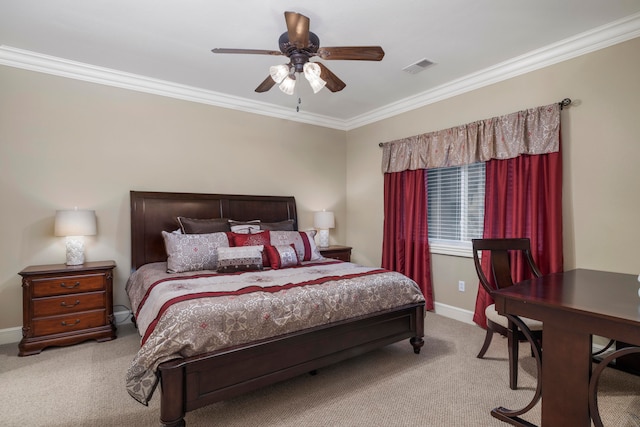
[[64, 323], [64, 304], [64, 285]]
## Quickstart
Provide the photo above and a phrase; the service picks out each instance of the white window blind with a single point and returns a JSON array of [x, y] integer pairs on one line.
[[455, 199]]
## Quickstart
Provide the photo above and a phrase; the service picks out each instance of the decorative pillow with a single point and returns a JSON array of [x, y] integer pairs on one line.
[[303, 241], [282, 256], [254, 239], [203, 226], [286, 225], [193, 252], [244, 227], [240, 258]]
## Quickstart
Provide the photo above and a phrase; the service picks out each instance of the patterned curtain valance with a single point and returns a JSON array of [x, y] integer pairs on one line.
[[532, 131]]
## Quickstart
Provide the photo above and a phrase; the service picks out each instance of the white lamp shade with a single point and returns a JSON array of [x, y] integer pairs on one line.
[[76, 222], [324, 220]]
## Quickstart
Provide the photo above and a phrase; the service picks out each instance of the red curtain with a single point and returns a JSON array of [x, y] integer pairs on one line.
[[405, 245], [523, 198]]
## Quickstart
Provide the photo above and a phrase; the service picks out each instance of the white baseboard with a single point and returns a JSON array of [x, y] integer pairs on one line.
[[456, 313], [14, 335], [10, 335]]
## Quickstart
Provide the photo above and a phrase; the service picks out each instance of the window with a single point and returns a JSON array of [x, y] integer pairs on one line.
[[455, 208]]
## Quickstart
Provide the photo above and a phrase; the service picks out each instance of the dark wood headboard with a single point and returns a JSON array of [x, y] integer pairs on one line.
[[154, 212]]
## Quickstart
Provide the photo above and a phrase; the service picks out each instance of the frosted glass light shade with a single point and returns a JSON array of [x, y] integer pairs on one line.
[[278, 72], [312, 74], [74, 224], [288, 85]]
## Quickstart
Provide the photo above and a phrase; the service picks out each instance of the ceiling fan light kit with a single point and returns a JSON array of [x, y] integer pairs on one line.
[[299, 45], [284, 76]]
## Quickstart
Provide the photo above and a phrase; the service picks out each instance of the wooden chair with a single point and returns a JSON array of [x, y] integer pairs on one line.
[[499, 251]]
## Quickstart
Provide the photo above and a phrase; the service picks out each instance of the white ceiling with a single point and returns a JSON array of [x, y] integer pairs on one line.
[[164, 47]]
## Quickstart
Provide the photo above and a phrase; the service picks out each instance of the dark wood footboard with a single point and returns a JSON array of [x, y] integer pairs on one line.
[[188, 384]]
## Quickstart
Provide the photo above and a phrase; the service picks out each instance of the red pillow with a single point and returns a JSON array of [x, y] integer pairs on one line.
[[282, 256], [256, 239]]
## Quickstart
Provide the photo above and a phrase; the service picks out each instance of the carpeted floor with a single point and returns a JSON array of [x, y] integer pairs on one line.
[[446, 385]]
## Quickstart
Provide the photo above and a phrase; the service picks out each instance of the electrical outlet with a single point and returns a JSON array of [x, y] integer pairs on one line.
[[461, 285]]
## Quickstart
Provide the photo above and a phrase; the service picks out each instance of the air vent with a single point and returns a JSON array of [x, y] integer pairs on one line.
[[415, 68]]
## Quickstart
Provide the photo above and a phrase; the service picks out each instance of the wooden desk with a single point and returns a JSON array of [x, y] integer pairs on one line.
[[573, 306]]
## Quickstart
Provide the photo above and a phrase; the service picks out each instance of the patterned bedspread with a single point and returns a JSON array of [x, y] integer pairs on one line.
[[185, 314]]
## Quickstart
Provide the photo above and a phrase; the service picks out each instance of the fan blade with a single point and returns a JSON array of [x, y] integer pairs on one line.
[[298, 29], [334, 84], [247, 51], [266, 85], [358, 53]]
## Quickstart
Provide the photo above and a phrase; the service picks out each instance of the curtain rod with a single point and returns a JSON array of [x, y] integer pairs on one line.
[[564, 103]]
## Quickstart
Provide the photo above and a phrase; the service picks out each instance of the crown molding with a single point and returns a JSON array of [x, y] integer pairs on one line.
[[598, 38], [590, 41], [34, 61]]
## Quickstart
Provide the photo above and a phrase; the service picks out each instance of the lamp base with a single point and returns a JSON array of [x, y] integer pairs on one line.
[[323, 238], [75, 250]]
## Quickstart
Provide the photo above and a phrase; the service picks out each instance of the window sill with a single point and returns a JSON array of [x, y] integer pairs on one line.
[[462, 249]]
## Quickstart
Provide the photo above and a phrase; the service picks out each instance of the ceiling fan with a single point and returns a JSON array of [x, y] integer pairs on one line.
[[300, 45]]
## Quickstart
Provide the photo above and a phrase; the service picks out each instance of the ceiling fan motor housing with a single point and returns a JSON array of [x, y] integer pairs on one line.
[[288, 48]]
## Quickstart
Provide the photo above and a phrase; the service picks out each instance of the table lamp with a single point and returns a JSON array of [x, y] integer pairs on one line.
[[74, 225], [323, 221]]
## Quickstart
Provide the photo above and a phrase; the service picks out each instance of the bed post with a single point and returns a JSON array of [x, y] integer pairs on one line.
[[172, 399], [417, 341]]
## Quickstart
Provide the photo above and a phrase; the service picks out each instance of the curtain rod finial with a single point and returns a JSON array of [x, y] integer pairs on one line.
[[565, 102]]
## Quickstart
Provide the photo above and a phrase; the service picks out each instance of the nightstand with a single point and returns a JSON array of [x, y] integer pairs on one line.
[[343, 253], [64, 305]]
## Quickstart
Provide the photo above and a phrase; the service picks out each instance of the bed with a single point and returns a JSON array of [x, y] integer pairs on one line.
[[193, 377]]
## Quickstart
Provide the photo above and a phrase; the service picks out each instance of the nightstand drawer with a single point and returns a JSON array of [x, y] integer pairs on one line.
[[342, 256], [68, 304], [69, 323], [342, 253], [66, 285]]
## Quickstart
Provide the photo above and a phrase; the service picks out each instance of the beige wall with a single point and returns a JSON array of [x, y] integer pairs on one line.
[[66, 143], [601, 160]]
